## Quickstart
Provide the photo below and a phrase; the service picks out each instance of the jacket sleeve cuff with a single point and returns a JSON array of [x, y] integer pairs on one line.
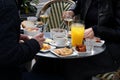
[[95, 30], [34, 45]]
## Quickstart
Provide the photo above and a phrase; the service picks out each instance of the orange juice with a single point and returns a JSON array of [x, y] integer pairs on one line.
[[77, 34]]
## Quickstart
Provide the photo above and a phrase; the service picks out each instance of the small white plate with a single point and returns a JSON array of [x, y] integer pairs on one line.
[[54, 44], [78, 51], [52, 47], [68, 56], [96, 50], [99, 43], [84, 54]]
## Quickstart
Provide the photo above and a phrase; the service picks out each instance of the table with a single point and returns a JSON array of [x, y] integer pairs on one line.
[[97, 50]]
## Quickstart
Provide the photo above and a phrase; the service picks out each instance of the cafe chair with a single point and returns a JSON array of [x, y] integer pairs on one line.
[[55, 9], [115, 75]]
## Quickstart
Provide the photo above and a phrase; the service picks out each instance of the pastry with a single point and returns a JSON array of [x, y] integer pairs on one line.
[[63, 51]]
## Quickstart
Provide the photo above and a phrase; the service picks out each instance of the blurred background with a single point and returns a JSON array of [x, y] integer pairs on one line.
[[29, 7]]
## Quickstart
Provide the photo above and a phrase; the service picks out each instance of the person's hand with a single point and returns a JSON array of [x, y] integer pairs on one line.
[[24, 37], [89, 33], [40, 39], [67, 13]]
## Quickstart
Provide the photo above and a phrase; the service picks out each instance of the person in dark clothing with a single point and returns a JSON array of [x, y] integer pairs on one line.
[[102, 19], [19, 2], [12, 53]]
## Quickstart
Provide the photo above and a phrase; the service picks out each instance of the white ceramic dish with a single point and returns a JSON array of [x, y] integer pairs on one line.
[[54, 44], [96, 50], [99, 43], [52, 47], [31, 32], [80, 53]]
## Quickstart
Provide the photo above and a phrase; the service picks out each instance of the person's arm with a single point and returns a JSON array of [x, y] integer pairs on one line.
[[12, 53], [109, 22], [73, 11]]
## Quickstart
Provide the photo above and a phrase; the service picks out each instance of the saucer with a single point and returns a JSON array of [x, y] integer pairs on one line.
[[54, 44]]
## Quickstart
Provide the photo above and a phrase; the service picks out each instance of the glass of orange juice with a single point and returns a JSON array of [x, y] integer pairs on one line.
[[77, 33]]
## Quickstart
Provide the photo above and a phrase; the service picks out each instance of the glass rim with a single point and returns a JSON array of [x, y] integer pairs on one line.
[[78, 24]]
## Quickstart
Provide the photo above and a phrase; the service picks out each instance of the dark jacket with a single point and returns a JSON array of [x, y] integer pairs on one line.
[[108, 29], [109, 26], [12, 53]]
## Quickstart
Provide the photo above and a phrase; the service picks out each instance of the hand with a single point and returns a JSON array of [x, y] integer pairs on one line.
[[24, 37], [40, 39], [69, 13], [89, 33]]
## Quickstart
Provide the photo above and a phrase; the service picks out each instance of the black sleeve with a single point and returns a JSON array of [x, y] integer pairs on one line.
[[12, 53]]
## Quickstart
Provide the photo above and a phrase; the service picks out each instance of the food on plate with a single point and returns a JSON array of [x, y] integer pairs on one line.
[[63, 51], [30, 29], [47, 40], [40, 23], [81, 48], [46, 47], [26, 24], [97, 40]]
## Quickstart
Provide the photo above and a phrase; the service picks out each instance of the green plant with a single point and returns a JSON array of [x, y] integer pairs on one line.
[[26, 7]]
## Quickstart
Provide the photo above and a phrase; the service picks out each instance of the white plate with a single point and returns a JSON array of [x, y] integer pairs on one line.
[[96, 50], [52, 47], [99, 43], [54, 44], [68, 56], [47, 40], [81, 53]]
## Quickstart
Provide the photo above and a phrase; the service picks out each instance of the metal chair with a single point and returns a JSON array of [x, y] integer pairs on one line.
[[55, 9], [114, 75]]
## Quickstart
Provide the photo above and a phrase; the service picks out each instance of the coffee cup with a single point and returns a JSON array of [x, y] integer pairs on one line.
[[60, 39]]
